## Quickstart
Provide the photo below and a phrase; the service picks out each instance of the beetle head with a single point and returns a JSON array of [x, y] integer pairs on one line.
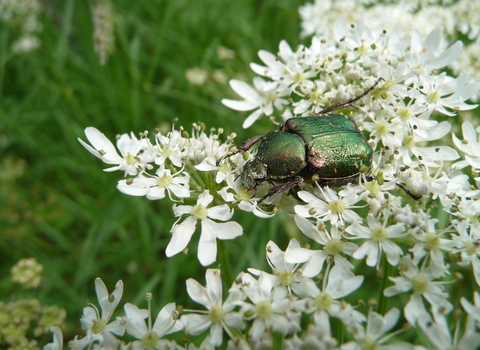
[[254, 172]]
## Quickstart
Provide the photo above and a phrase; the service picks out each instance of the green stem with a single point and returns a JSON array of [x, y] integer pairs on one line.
[[224, 264], [194, 173], [382, 300], [339, 329]]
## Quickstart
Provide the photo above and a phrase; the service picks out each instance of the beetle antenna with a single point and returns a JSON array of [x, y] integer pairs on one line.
[[350, 101]]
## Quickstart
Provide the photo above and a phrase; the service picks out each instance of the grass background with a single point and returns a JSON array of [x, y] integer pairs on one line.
[[56, 203]]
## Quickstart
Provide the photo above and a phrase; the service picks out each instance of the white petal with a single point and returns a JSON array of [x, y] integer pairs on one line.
[[252, 118], [240, 105], [220, 212], [214, 285], [136, 320], [207, 246], [227, 230], [131, 189], [448, 56], [244, 90], [181, 235], [164, 321], [198, 293], [205, 198]]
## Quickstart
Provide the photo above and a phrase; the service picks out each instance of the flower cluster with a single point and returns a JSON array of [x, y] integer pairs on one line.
[[458, 18], [399, 89], [179, 166], [260, 305]]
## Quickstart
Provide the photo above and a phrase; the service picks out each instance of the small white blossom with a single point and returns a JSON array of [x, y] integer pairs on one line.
[[264, 97], [156, 187], [129, 146], [419, 281], [211, 230], [268, 313], [220, 316], [150, 337], [315, 259], [439, 333], [97, 326], [330, 206], [374, 336], [379, 240], [337, 284]]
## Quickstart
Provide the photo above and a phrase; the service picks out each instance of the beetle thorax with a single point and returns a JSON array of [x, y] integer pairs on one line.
[[254, 172]]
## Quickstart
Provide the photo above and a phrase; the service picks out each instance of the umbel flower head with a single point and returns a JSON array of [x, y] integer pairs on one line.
[[402, 89]]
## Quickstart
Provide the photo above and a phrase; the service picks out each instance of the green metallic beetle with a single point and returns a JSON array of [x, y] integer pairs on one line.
[[328, 147]]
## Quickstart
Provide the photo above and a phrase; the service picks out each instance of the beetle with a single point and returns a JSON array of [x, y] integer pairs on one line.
[[325, 148]]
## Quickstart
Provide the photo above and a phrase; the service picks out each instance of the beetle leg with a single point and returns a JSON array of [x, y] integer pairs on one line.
[[408, 192], [339, 183], [246, 145], [349, 102], [283, 187]]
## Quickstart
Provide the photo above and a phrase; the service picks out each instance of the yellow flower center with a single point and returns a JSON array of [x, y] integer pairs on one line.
[[369, 344], [98, 326], [433, 241], [379, 234], [164, 181], [323, 301], [333, 246], [420, 284], [130, 159], [286, 278], [382, 128], [433, 96], [199, 212], [337, 206], [264, 309], [216, 314], [149, 340], [404, 113]]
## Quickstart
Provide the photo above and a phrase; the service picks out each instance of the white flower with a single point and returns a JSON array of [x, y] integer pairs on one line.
[[220, 316], [154, 187], [469, 145], [314, 259], [431, 243], [150, 337], [466, 243], [337, 284], [374, 337], [169, 147], [379, 238], [286, 278], [439, 330], [269, 314], [264, 97], [419, 281], [129, 146], [331, 206], [440, 93], [424, 56], [97, 326], [211, 230]]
